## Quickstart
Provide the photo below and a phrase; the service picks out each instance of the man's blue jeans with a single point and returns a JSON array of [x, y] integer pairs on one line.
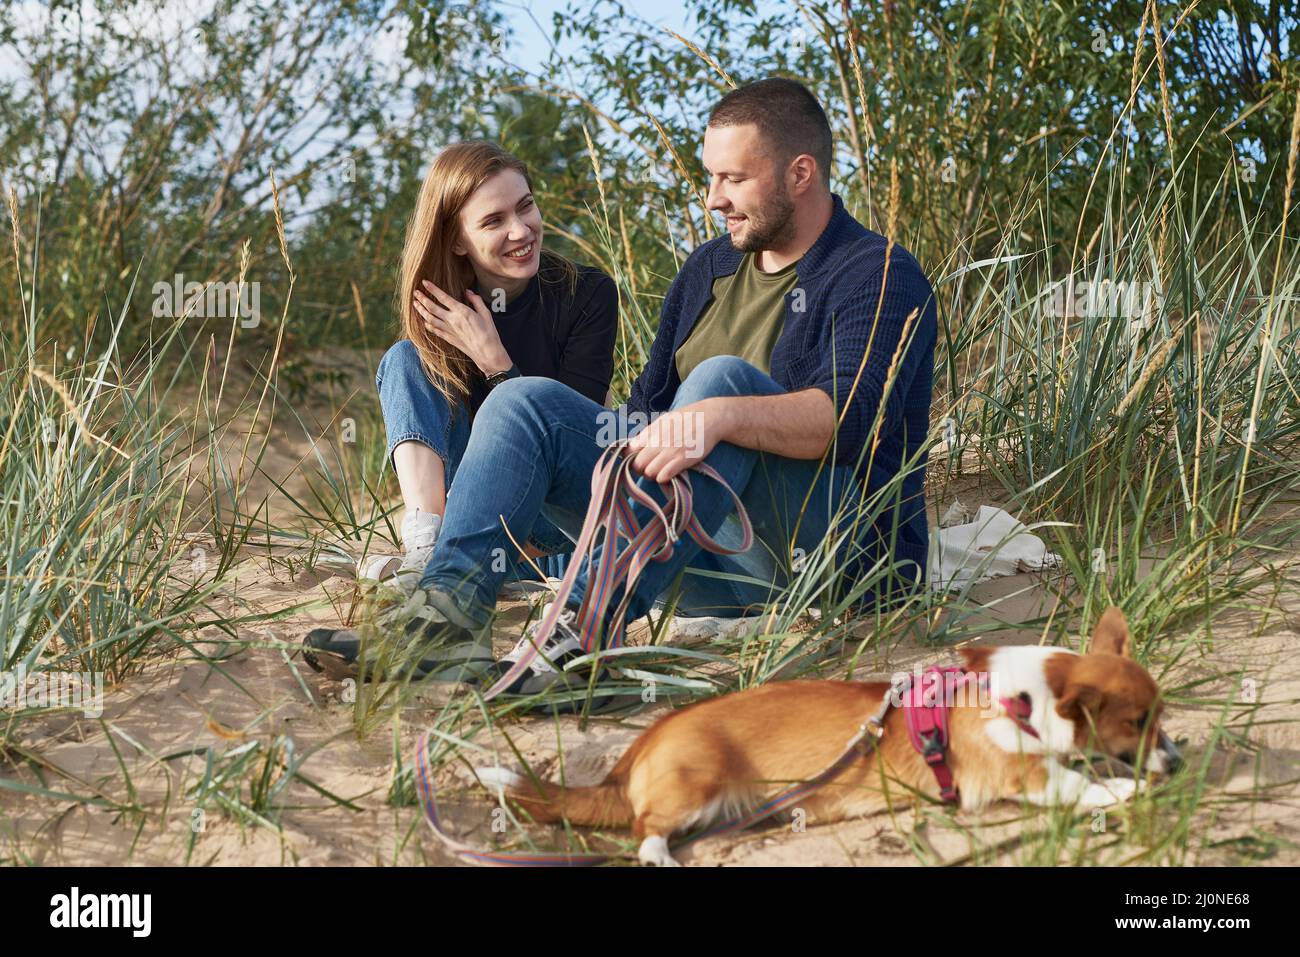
[[414, 411], [530, 458]]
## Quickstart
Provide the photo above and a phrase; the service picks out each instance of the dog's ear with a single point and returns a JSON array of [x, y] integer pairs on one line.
[[976, 659], [1057, 671], [1111, 634], [1073, 695], [1076, 699]]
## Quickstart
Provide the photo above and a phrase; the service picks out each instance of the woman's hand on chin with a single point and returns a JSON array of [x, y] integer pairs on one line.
[[469, 328]]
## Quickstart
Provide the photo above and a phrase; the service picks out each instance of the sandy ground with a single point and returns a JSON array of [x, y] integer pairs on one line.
[[148, 753]]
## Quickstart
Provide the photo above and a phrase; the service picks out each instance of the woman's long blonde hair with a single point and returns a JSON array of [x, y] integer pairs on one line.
[[456, 172]]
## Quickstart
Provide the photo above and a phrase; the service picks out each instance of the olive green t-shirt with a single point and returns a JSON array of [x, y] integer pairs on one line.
[[744, 318]]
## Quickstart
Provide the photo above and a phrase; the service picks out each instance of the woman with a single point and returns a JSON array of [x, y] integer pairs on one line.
[[480, 301]]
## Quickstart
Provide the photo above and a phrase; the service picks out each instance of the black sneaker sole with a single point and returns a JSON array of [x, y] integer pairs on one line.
[[614, 697], [599, 705], [336, 664]]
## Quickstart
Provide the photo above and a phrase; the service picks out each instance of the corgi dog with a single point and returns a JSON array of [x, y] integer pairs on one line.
[[728, 754]]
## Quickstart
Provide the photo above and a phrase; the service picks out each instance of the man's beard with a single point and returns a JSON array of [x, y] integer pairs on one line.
[[769, 227]]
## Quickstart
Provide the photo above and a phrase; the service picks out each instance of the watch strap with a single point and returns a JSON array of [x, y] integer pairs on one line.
[[497, 378]]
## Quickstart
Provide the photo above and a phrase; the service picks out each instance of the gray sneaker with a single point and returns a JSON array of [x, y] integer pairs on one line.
[[427, 637]]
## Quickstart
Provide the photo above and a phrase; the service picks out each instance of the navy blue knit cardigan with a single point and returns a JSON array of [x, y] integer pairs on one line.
[[829, 318]]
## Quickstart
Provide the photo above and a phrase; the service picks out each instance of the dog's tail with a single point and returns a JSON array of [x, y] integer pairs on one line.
[[600, 805]]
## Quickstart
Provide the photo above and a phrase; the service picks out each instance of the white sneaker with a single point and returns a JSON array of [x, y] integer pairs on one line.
[[419, 536]]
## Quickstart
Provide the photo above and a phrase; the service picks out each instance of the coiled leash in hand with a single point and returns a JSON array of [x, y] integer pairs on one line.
[[610, 520]]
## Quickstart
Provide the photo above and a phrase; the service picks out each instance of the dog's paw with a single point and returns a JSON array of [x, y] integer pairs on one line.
[[498, 779], [1124, 788], [1108, 792], [654, 851]]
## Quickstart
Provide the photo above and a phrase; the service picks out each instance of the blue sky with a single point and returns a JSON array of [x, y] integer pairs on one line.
[[531, 45], [530, 23]]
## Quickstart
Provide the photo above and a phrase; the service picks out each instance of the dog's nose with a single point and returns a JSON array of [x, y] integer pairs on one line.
[[1173, 757]]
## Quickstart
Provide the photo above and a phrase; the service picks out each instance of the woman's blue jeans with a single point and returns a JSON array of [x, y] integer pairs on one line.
[[414, 411]]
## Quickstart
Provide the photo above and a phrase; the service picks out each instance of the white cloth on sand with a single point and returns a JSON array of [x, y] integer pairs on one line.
[[990, 545]]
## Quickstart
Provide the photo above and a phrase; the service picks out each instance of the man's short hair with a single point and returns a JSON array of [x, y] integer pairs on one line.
[[788, 117]]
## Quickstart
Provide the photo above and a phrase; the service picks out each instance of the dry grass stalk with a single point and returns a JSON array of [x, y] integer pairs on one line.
[[706, 57], [1155, 365], [1164, 81], [279, 225], [73, 411]]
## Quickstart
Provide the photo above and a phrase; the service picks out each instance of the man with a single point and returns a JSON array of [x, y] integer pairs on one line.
[[775, 344]]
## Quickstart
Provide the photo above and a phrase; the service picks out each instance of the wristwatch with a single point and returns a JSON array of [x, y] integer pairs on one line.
[[496, 378]]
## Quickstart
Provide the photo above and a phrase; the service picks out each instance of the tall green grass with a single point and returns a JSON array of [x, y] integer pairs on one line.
[[120, 514]]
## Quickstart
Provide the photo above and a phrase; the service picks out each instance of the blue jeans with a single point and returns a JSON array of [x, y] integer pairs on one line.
[[532, 452], [414, 411]]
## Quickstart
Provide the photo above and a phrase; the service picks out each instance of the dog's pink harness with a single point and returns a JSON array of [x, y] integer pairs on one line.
[[925, 705]]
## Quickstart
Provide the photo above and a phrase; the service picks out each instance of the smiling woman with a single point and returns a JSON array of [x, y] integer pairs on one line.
[[480, 301]]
